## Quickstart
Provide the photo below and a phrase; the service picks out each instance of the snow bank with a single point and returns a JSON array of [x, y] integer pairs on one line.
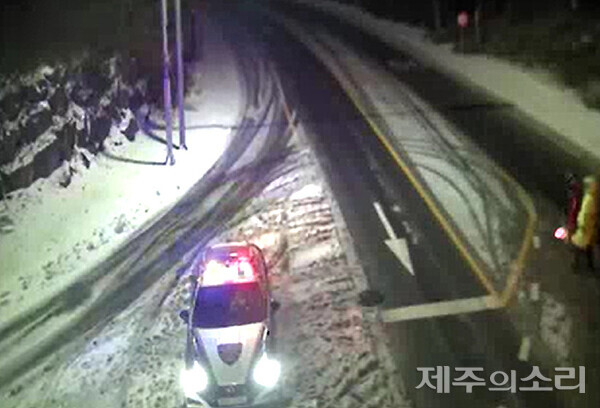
[[533, 92]]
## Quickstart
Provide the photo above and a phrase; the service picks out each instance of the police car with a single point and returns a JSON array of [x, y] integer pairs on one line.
[[230, 357]]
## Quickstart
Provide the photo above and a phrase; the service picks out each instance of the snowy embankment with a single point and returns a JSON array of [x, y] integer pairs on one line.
[[59, 231], [535, 93], [484, 204]]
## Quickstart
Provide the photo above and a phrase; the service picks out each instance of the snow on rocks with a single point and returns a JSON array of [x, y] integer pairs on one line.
[[53, 100]]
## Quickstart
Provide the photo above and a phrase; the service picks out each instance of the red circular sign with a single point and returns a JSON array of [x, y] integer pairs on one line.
[[463, 19]]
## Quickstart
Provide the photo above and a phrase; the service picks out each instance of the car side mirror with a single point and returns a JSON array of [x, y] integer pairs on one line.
[[275, 306], [185, 315]]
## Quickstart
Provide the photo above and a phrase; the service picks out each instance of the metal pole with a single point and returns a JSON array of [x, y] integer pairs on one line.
[[180, 90], [167, 85]]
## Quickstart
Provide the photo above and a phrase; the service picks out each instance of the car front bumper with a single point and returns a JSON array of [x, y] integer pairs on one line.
[[264, 399]]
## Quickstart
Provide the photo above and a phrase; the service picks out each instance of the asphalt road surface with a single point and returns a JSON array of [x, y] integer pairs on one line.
[[362, 172]]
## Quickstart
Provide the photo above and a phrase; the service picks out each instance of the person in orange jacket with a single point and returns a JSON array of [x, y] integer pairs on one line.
[[586, 233]]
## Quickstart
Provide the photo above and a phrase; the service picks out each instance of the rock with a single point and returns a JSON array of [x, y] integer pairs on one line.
[[122, 96], [66, 177], [20, 177], [136, 100], [31, 94], [83, 96], [99, 129], [11, 105], [80, 120], [81, 137], [37, 123], [97, 82], [86, 161], [114, 112], [121, 225], [43, 87], [8, 144], [59, 102], [55, 75], [66, 139], [47, 160], [131, 129], [46, 71]]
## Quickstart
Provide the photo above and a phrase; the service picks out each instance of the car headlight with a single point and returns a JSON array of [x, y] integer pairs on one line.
[[266, 372], [193, 380]]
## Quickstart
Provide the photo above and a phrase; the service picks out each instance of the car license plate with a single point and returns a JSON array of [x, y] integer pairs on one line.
[[226, 402]]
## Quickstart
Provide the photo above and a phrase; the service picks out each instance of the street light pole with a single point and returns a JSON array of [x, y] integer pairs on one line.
[[167, 85], [180, 90]]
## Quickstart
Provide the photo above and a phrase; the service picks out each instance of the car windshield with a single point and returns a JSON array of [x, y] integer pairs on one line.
[[229, 305], [227, 253]]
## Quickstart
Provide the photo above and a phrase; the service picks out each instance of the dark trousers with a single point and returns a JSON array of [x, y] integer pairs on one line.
[[587, 253]]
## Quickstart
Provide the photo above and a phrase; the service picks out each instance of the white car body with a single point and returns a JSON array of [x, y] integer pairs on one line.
[[229, 353]]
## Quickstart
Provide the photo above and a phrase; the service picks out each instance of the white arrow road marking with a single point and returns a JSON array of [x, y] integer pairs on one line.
[[385, 221], [446, 308], [398, 246]]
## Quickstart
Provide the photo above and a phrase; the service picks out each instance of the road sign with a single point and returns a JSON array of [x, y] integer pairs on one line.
[[463, 19]]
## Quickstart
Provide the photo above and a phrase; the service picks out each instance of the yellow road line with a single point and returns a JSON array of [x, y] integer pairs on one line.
[[518, 265], [429, 201]]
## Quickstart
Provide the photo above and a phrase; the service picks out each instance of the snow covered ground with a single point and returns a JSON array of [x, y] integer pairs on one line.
[[330, 348], [53, 235], [333, 355], [533, 92]]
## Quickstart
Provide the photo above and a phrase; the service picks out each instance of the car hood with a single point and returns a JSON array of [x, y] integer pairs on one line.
[[230, 350]]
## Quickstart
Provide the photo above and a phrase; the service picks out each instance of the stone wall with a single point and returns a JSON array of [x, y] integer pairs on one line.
[[45, 114]]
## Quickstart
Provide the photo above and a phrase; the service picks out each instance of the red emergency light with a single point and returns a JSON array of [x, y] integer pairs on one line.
[[217, 273], [560, 233]]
